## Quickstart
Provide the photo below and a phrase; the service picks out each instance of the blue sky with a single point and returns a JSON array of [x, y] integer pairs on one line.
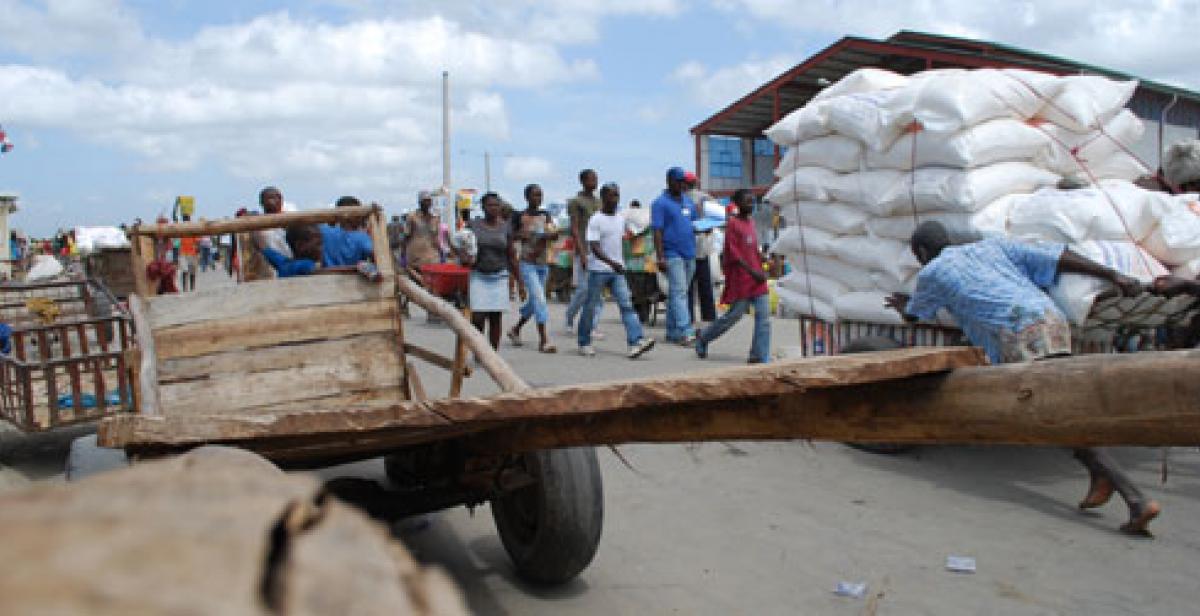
[[116, 107]]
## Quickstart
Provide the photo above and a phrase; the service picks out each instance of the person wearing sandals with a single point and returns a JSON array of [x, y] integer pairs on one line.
[[606, 268], [535, 230], [994, 288], [491, 265]]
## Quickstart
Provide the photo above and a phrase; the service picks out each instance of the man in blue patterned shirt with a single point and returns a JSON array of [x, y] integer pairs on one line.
[[995, 290]]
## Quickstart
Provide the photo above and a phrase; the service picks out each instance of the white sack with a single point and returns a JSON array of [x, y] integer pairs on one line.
[[834, 152], [991, 142], [866, 307], [796, 239], [1088, 101], [868, 79], [955, 190], [804, 184], [797, 303], [1093, 148], [836, 218], [854, 277], [91, 239], [804, 123], [1119, 166], [1176, 239], [869, 189], [1075, 293], [44, 266], [822, 288], [877, 255], [1082, 214], [874, 118], [889, 284], [1189, 270], [954, 99]]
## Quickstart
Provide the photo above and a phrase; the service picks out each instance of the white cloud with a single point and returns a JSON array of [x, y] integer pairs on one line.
[[1151, 39], [527, 169], [278, 96], [63, 27], [718, 87]]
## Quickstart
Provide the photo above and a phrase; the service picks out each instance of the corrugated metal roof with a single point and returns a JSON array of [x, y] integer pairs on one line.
[[905, 52]]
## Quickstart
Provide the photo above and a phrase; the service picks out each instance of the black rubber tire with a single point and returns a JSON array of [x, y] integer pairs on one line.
[[869, 344], [551, 529], [86, 458]]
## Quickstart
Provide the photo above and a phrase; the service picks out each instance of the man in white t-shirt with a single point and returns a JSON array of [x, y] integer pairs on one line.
[[606, 268]]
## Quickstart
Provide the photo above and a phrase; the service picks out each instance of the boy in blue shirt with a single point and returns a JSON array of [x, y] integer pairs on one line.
[[305, 242]]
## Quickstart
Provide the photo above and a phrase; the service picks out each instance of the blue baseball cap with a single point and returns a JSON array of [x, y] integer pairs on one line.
[[676, 173]]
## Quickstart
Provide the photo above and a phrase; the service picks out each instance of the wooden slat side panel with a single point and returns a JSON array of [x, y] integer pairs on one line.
[[275, 327], [259, 298], [276, 376]]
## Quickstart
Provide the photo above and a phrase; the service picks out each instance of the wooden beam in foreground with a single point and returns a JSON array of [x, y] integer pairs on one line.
[[1148, 399], [529, 406]]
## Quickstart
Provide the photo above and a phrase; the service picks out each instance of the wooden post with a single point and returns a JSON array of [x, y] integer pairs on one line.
[[141, 254], [147, 371]]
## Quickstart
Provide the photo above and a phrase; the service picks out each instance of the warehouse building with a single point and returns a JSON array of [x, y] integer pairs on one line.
[[731, 152]]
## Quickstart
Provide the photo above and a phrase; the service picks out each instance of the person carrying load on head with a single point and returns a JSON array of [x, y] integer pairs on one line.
[[421, 230], [994, 289]]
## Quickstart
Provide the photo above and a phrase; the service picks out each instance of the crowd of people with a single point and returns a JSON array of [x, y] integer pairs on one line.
[[508, 252]]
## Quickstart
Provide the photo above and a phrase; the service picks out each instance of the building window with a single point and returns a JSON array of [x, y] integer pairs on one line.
[[764, 147], [724, 157]]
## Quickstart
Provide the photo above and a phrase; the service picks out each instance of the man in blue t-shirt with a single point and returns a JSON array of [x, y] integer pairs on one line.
[[345, 244], [671, 217]]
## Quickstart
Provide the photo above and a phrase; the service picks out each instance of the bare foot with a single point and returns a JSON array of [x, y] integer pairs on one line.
[[1140, 518], [1100, 491]]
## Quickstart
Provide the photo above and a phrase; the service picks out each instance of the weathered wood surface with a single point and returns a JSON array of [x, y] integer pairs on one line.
[[251, 223], [260, 298], [533, 410], [277, 327], [147, 369], [475, 342], [249, 383], [216, 531]]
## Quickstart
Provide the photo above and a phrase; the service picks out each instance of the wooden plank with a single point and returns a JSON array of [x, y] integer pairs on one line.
[[147, 370], [384, 260], [284, 326], [48, 371], [1143, 399], [260, 298], [433, 357], [303, 376], [250, 223], [378, 346], [710, 387]]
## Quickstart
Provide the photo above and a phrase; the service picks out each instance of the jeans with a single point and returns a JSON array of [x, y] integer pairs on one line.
[[760, 346], [535, 292], [581, 292], [597, 281], [701, 291], [679, 276], [206, 254]]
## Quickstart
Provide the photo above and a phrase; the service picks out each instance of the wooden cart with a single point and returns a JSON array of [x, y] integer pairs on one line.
[[67, 359], [316, 371]]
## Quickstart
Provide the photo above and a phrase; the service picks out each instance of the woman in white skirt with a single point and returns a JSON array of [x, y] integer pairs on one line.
[[491, 265]]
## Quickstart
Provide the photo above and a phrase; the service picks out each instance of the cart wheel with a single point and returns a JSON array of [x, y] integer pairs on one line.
[[551, 529], [868, 344], [86, 458]]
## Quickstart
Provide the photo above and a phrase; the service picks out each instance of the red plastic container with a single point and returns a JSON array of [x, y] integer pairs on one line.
[[446, 279]]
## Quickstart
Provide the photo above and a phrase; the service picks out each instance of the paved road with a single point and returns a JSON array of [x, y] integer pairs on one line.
[[770, 528]]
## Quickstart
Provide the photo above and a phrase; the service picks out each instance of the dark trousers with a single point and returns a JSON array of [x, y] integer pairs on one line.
[[702, 288]]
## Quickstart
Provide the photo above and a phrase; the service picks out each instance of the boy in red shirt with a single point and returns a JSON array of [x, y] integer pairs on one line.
[[745, 283]]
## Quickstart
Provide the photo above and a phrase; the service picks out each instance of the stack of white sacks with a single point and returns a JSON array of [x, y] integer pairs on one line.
[[982, 151]]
